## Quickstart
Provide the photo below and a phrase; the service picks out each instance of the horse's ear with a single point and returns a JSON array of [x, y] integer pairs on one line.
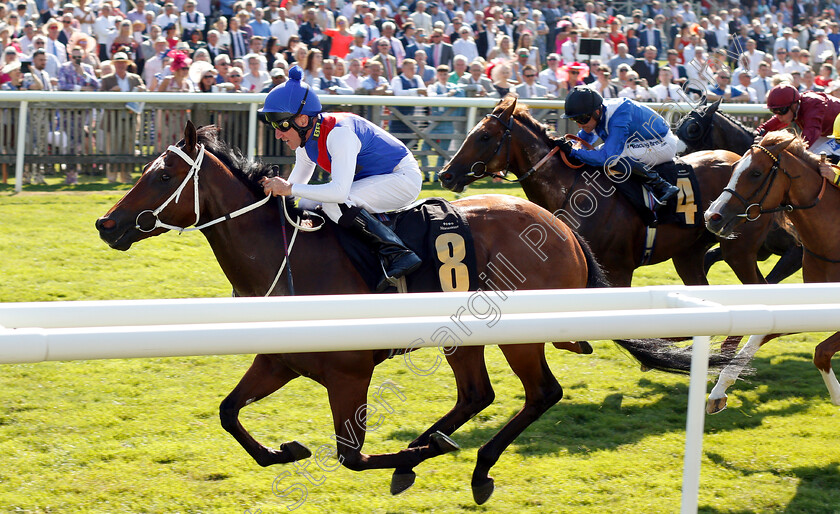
[[703, 101], [190, 138], [508, 112], [714, 107]]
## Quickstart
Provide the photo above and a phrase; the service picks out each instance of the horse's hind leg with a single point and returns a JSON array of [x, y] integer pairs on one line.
[[822, 360], [541, 392], [475, 393], [266, 375], [689, 266]]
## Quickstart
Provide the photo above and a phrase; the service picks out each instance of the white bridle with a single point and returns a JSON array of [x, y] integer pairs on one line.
[[195, 166]]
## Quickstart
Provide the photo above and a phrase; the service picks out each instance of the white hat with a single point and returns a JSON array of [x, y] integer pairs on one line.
[[12, 66], [819, 32], [120, 56]]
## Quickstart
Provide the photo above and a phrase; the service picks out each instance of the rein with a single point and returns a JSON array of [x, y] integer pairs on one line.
[[507, 136], [768, 180]]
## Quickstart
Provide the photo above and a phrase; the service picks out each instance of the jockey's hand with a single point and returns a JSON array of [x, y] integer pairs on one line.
[[276, 186], [830, 171], [565, 145]]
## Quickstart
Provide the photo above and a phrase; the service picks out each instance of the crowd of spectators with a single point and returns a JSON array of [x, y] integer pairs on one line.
[[733, 50]]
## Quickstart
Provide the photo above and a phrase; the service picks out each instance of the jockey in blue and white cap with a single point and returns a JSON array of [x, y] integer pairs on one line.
[[371, 170]]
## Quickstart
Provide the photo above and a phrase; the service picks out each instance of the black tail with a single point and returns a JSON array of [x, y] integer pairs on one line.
[[595, 274], [665, 355], [660, 354]]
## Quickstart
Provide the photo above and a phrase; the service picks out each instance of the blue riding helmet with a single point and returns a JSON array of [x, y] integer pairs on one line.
[[289, 99]]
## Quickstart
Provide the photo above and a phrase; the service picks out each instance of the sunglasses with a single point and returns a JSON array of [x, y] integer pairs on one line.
[[582, 119], [781, 111], [283, 125], [527, 76], [573, 73], [235, 76]]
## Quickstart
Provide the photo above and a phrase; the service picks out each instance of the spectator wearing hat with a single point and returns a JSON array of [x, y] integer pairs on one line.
[[19, 81], [284, 27], [358, 49], [54, 46], [821, 49], [180, 80], [438, 15], [787, 41], [278, 76], [155, 64], [120, 137]]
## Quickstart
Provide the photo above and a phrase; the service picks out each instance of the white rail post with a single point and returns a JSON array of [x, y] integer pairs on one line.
[[694, 422], [21, 146], [252, 131]]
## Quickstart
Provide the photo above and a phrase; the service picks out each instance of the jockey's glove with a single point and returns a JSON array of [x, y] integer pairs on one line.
[[564, 144]]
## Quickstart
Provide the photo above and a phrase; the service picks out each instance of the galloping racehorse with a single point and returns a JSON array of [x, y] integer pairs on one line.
[[510, 139], [250, 248], [707, 128], [779, 174]]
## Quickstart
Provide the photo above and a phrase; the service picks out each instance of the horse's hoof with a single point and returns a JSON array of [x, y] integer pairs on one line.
[[482, 492], [585, 347], [443, 443], [402, 481], [715, 405], [297, 450], [644, 368]]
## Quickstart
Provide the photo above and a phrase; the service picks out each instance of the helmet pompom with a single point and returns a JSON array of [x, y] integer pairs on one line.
[[295, 73]]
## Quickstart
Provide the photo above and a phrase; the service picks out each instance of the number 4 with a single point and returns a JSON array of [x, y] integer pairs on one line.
[[685, 200]]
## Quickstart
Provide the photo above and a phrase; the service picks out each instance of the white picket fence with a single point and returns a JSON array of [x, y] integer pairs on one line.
[[34, 332]]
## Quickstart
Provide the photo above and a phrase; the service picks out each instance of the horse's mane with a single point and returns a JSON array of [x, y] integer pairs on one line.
[[736, 122], [249, 172], [523, 114], [795, 145]]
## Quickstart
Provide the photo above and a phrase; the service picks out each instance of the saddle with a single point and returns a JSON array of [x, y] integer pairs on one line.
[[437, 232], [683, 211]]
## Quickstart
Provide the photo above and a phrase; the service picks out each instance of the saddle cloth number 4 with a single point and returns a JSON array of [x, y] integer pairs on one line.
[[451, 250], [685, 200]]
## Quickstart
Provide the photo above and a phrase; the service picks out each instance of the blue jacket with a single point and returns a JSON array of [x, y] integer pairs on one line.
[[622, 120]]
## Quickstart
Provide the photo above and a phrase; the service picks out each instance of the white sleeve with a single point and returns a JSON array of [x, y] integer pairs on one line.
[[304, 168], [343, 145]]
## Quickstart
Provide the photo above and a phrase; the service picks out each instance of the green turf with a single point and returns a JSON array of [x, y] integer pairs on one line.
[[144, 435]]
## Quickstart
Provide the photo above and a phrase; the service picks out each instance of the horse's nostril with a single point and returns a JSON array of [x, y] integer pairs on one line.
[[445, 175], [713, 216], [105, 224]]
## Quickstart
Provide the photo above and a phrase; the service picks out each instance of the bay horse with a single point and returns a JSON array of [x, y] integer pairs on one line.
[[780, 174], [250, 249], [510, 139], [707, 128]]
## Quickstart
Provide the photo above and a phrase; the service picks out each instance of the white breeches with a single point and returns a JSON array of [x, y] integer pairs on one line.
[[379, 193], [828, 145], [653, 151]]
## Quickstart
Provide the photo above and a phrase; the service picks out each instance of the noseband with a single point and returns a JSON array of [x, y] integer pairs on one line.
[[195, 166], [768, 181]]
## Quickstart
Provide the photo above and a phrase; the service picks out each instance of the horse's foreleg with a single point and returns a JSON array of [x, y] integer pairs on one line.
[[789, 263], [266, 375], [822, 360], [727, 377], [475, 393], [541, 392]]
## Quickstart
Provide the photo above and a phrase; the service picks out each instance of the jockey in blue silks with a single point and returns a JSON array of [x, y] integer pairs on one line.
[[634, 136], [371, 171]]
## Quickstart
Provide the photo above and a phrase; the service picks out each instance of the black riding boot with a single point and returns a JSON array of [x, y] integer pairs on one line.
[[661, 189], [397, 259]]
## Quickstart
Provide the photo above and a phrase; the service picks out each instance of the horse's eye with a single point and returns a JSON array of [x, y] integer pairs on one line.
[[755, 173], [485, 137], [164, 177]]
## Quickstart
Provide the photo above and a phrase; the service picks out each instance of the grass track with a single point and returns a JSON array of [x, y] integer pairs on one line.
[[144, 436]]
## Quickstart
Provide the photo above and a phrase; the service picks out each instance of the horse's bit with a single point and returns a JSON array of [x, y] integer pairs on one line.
[[768, 181], [507, 136]]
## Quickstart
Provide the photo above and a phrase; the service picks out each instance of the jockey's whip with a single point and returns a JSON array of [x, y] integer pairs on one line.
[[281, 200]]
